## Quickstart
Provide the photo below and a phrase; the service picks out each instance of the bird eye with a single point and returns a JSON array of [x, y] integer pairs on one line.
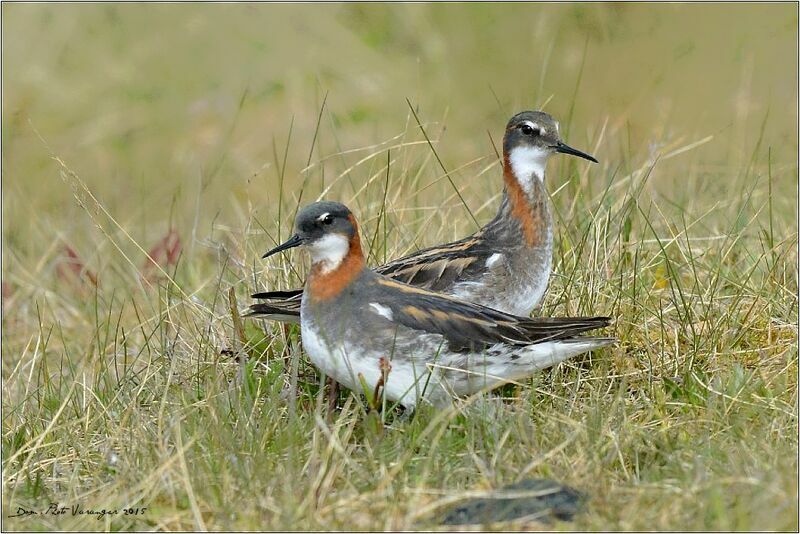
[[527, 129], [327, 219]]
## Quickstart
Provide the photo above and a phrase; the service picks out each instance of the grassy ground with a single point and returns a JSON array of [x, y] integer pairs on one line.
[[121, 123]]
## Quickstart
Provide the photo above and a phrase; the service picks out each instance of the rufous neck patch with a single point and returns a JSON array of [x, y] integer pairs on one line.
[[327, 285], [529, 212]]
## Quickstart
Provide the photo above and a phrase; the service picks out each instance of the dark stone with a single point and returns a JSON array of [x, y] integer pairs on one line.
[[545, 500]]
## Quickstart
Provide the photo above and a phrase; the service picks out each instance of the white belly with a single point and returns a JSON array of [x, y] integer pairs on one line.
[[406, 382], [332, 359]]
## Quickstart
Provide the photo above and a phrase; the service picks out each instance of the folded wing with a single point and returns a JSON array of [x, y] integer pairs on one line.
[[438, 268], [468, 326]]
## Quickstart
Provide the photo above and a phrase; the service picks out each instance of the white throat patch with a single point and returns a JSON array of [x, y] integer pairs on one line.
[[527, 164], [330, 251]]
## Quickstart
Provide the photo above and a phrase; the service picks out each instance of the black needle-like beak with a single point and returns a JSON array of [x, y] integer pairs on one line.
[[566, 149], [294, 241]]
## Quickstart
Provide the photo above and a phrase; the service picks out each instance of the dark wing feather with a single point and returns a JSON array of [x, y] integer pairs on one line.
[[286, 311], [468, 326], [279, 295], [438, 268]]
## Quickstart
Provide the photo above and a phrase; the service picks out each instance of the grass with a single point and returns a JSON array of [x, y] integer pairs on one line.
[[121, 123]]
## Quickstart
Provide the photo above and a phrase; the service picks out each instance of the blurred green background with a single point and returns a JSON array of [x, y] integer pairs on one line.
[[175, 110], [209, 119]]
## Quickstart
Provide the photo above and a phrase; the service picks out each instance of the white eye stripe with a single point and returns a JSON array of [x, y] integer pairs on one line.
[[322, 217], [535, 126]]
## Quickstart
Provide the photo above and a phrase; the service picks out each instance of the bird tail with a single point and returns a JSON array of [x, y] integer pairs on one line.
[[285, 308], [290, 294]]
